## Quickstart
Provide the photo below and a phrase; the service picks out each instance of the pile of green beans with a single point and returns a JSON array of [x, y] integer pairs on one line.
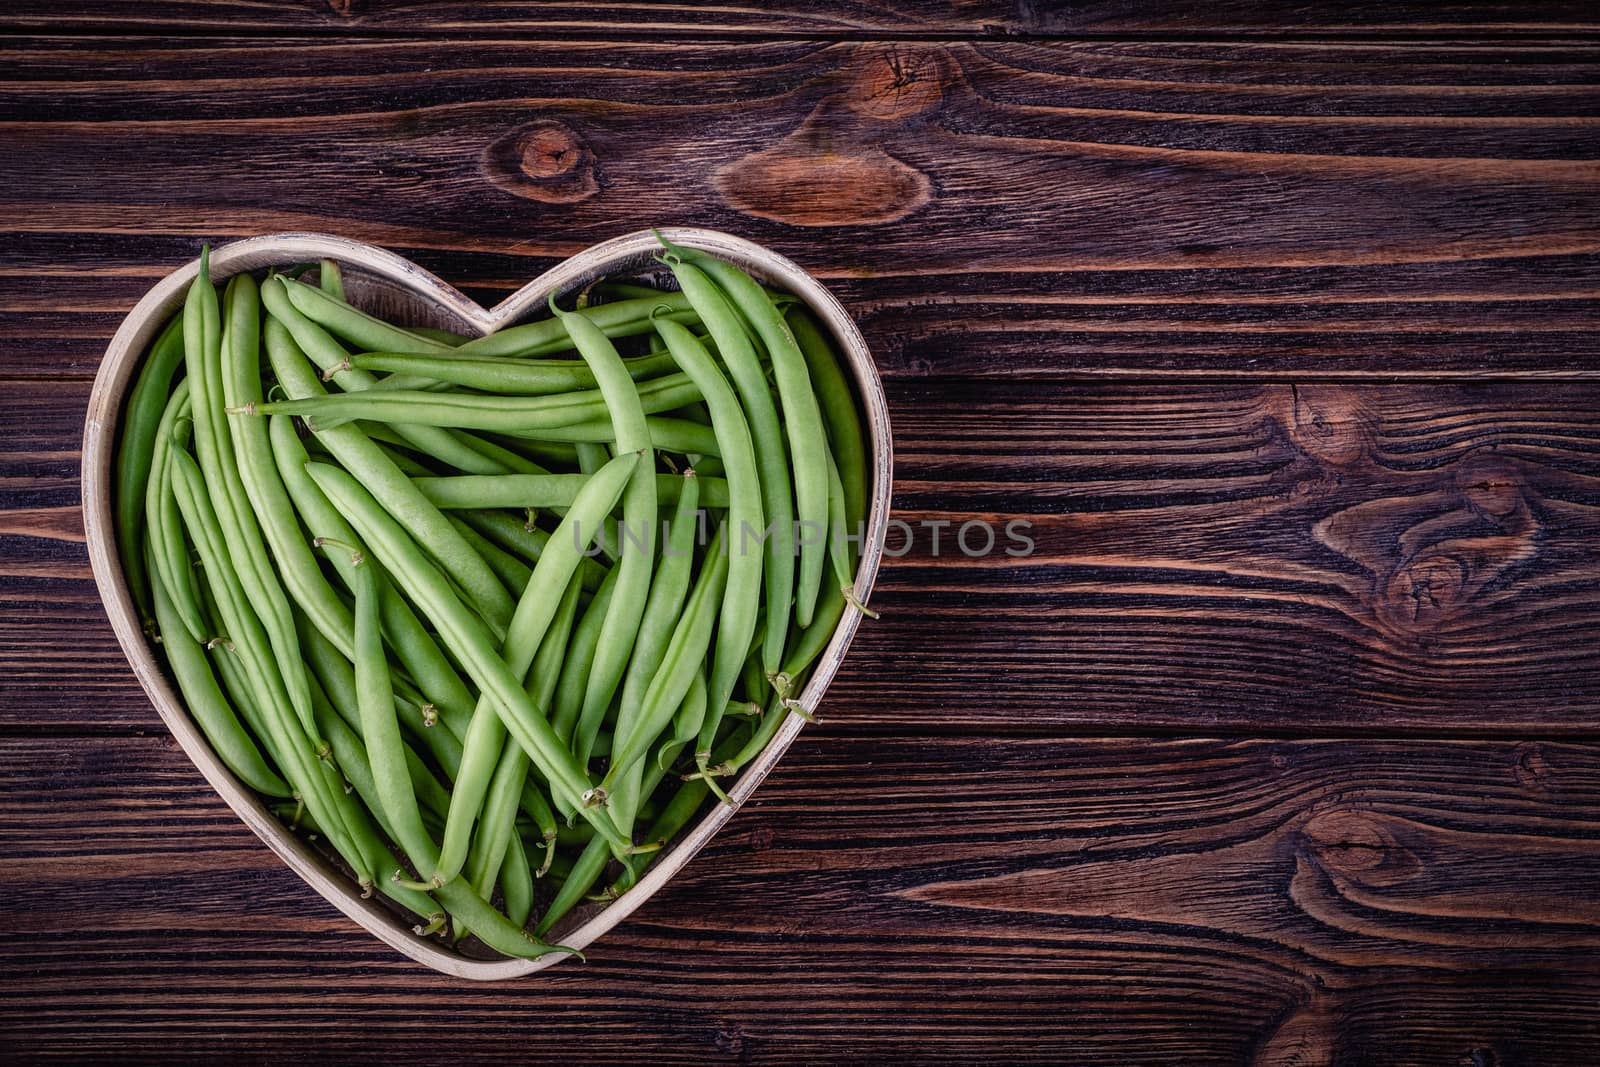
[[494, 619]]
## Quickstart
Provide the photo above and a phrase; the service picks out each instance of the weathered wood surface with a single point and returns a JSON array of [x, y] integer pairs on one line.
[[831, 18], [986, 209], [1277, 558], [1123, 900], [1278, 324]]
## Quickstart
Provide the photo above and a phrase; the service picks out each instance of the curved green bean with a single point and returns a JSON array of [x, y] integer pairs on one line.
[[536, 609], [205, 702], [378, 475], [741, 601], [170, 557], [802, 418], [524, 377], [468, 639], [416, 650], [766, 435], [471, 411], [354, 325], [622, 318], [663, 608], [547, 491], [301, 766], [631, 433], [141, 419]]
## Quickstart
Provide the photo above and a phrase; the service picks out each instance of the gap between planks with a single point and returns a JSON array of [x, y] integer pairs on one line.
[[1554, 35]]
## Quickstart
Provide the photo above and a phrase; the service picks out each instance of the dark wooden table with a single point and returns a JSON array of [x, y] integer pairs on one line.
[[1279, 323]]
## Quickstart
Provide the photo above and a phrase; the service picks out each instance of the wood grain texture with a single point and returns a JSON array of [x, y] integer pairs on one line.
[[1199, 902], [984, 208], [1248, 558], [833, 17], [1278, 323], [1322, 208]]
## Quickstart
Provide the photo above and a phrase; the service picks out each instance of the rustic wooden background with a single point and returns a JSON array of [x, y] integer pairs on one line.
[[1278, 321]]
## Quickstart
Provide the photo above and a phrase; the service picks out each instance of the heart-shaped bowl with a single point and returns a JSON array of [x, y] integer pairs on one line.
[[397, 289]]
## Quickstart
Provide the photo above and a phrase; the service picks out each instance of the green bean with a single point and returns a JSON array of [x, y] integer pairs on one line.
[[516, 883], [320, 347], [801, 417], [205, 701], [170, 557], [500, 807], [631, 433], [536, 610], [580, 657], [524, 377], [839, 413], [663, 608], [526, 542], [241, 536], [335, 677], [330, 279], [511, 571], [343, 731], [545, 491], [472, 411], [551, 455], [741, 600], [141, 420], [668, 435], [469, 640], [444, 337], [269, 499], [356, 326], [380, 730], [503, 459], [379, 477], [458, 898], [624, 318], [838, 548], [302, 768], [417, 651], [685, 722], [686, 652], [766, 436]]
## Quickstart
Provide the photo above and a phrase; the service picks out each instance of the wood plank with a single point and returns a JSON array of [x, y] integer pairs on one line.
[[849, 18], [1277, 558], [1199, 902], [994, 208], [1507, 317]]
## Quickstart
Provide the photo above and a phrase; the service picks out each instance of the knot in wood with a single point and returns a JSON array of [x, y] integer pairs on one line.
[[897, 81], [1423, 592], [1358, 845], [1530, 765], [1330, 424], [546, 160], [549, 151]]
